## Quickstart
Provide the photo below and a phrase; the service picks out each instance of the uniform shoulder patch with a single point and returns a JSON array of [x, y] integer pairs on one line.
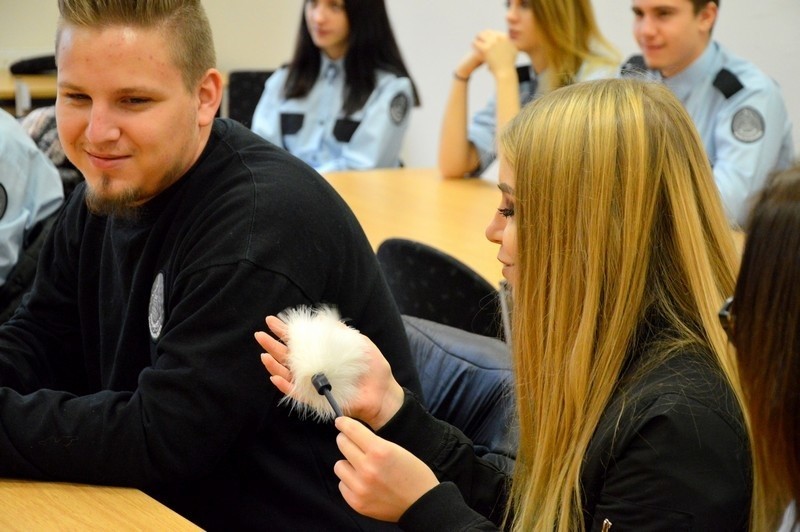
[[747, 125], [727, 83], [3, 201], [634, 66], [398, 108]]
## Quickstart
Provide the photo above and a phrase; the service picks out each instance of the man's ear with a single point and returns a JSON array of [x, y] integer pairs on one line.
[[708, 16], [209, 96]]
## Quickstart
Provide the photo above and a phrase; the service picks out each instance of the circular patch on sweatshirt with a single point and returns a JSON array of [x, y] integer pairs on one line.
[[3, 201], [747, 125], [155, 315], [399, 107]]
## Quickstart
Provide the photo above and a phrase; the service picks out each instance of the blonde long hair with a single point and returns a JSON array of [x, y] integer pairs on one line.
[[572, 38], [618, 215]]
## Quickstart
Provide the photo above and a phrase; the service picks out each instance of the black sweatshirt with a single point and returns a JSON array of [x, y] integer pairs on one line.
[[669, 453], [133, 362]]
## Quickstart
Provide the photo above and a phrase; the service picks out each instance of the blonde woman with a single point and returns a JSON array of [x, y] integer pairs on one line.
[[613, 237], [564, 45]]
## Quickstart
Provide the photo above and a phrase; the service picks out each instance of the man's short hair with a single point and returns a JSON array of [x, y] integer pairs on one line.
[[183, 22], [700, 4]]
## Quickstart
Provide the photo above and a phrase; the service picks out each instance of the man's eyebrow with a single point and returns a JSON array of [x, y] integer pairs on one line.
[[68, 86], [122, 92], [135, 90]]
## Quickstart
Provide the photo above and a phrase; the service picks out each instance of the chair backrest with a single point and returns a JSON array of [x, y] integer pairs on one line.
[[40, 64], [40, 124], [467, 381], [430, 284], [244, 90]]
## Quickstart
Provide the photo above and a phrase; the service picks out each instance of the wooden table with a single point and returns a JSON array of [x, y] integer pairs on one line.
[[41, 87], [27, 505], [419, 204]]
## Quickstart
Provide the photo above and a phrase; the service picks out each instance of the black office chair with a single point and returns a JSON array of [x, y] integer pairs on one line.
[[467, 381], [430, 284], [244, 90]]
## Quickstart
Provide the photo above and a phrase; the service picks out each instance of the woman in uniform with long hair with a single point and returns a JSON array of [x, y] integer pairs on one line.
[[344, 100]]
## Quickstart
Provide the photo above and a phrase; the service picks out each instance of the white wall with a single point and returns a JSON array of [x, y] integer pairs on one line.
[[248, 33], [27, 28], [434, 35]]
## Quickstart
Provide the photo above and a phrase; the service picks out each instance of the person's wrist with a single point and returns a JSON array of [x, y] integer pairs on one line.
[[460, 77], [392, 403], [505, 73]]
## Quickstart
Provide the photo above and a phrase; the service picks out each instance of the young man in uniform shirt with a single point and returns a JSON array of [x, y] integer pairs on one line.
[[738, 110], [133, 362], [30, 195]]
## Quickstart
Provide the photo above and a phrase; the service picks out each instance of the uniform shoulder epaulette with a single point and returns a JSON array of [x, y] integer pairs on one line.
[[727, 83], [524, 73], [634, 65]]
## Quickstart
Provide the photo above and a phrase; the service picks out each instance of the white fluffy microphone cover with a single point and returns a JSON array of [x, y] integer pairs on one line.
[[319, 342]]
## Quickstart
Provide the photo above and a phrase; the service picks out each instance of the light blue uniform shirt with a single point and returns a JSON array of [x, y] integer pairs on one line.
[[482, 129], [742, 120], [30, 190], [315, 129]]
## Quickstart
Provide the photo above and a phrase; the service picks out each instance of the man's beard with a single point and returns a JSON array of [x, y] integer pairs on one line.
[[121, 205]]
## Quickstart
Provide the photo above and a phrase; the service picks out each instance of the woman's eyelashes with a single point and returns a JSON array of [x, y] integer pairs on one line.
[[506, 212]]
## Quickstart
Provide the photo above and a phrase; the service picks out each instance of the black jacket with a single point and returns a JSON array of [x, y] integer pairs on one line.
[[676, 457]]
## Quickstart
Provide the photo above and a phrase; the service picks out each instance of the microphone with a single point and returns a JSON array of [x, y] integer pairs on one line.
[[326, 358], [323, 387]]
